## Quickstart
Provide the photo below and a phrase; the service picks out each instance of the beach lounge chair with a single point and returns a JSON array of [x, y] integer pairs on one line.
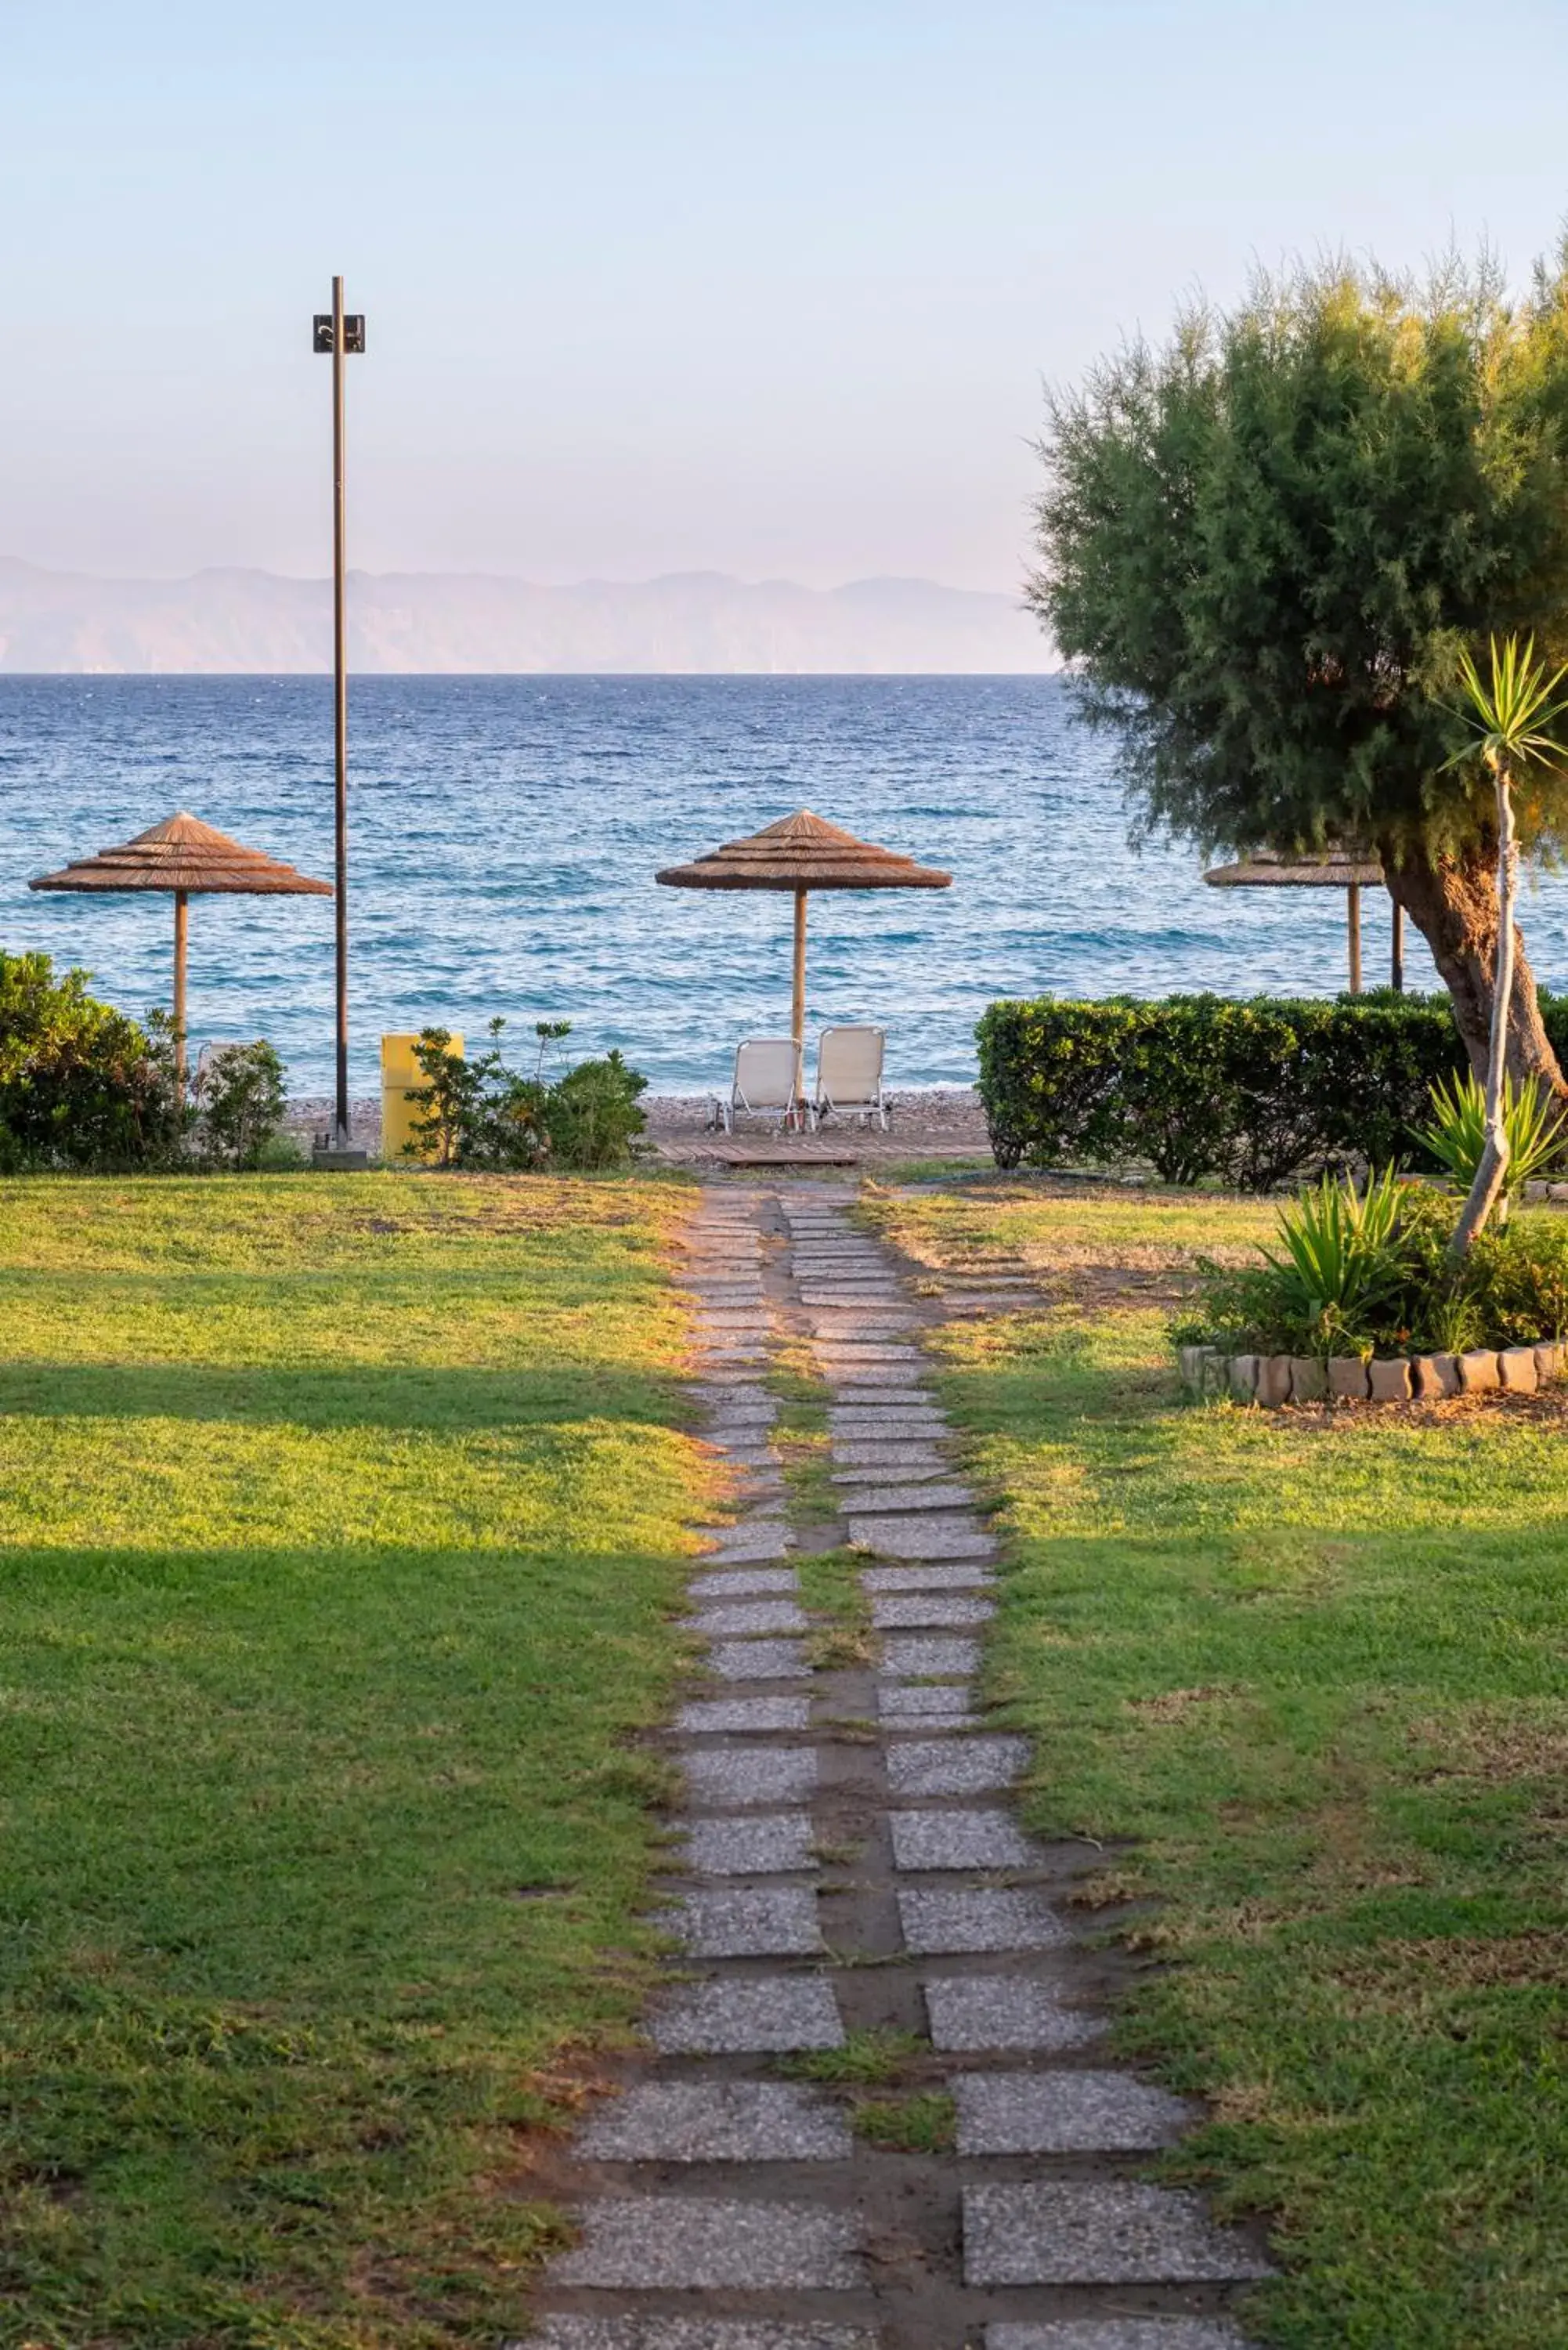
[[766, 1082], [849, 1075]]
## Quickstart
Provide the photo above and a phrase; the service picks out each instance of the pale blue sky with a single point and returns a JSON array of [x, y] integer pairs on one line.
[[760, 288]]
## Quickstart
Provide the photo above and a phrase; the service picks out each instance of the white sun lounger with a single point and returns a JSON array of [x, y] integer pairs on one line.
[[766, 1082], [849, 1075]]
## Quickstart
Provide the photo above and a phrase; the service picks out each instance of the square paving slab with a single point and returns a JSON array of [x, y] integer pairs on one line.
[[928, 1611], [717, 2121], [758, 1661], [723, 1717], [1120, 2333], [768, 2014], [773, 1845], [942, 1575], [916, 1537], [937, 1922], [912, 1655], [744, 1583], [749, 1615], [1065, 2113], [761, 1921], [1077, 2231], [740, 1546], [735, 1777], [956, 1766], [688, 2244], [650, 2332], [975, 2015], [953, 1840]]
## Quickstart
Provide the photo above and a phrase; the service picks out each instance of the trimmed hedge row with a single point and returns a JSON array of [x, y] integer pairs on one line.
[[1201, 1087]]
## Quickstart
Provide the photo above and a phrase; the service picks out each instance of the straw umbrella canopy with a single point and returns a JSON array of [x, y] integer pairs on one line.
[[1337, 869], [188, 858], [801, 853]]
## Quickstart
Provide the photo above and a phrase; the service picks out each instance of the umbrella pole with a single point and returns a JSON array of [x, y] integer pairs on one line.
[[1397, 956], [1353, 924], [797, 1010], [182, 936]]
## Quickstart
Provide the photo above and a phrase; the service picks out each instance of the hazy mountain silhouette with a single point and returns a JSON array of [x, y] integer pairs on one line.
[[429, 623]]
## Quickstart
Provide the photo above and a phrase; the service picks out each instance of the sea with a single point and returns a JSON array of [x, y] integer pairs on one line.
[[505, 831]]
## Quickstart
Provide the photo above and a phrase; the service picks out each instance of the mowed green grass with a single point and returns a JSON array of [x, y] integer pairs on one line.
[[1305, 1679], [341, 1543]]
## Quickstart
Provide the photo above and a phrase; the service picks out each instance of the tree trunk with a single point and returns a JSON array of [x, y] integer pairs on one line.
[[1493, 1169], [1453, 904]]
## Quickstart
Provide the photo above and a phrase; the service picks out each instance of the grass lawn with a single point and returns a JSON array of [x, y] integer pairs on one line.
[[341, 1534], [1312, 1671]]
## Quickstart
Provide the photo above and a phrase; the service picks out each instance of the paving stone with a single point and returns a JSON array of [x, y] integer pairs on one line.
[[1111, 2334], [906, 1497], [776, 1843], [913, 1537], [908, 1655], [956, 1766], [758, 1921], [744, 1322], [719, 1717], [735, 1396], [942, 1575], [911, 1473], [842, 1354], [682, 2243], [744, 1583], [749, 1615], [959, 1840], [762, 2015], [717, 2121], [561, 2331], [937, 1922], [922, 1705], [737, 1777], [758, 1661], [979, 2014], [1065, 2113], [862, 1394], [739, 1545], [1075, 2231], [928, 1611], [870, 1453]]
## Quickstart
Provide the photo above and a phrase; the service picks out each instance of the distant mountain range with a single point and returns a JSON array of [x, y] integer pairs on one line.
[[431, 622]]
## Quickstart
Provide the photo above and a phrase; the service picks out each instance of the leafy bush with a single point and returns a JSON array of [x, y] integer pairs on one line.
[[481, 1114], [1357, 1274], [1201, 1088], [80, 1085], [239, 1102], [1457, 1134]]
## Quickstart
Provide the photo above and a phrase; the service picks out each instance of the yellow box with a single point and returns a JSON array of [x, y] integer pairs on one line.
[[399, 1073]]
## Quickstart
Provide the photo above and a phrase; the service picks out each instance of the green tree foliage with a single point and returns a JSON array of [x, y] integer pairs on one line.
[[480, 1113], [1262, 546]]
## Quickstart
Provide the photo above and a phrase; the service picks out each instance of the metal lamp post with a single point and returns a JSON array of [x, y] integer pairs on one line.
[[339, 333]]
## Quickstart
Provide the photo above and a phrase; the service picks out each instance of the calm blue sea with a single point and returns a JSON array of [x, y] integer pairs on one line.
[[505, 831]]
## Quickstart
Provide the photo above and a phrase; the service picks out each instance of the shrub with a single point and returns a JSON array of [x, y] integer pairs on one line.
[[80, 1085], [1366, 1274], [239, 1102], [1457, 1134], [1248, 1094], [480, 1113]]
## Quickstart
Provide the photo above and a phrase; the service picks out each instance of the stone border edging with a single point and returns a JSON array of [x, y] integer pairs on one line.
[[1274, 1379]]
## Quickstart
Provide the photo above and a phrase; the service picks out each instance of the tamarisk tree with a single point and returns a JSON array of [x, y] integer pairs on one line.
[[1262, 548]]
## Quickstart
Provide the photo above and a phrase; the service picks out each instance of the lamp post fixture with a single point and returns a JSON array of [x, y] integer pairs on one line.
[[339, 333]]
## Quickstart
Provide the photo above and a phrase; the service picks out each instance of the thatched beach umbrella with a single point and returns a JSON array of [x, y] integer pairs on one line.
[[1335, 869], [191, 859], [802, 853]]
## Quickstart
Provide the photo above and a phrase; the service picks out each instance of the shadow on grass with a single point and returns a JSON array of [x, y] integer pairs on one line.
[[364, 1394]]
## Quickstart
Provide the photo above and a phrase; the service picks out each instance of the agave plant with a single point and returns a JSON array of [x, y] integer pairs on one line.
[[1532, 1125], [1337, 1259]]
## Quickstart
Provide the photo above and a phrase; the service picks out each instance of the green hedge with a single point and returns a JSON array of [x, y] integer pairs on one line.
[[1201, 1087]]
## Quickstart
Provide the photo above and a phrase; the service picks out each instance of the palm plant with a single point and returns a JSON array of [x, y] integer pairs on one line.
[[1532, 1123], [1507, 720]]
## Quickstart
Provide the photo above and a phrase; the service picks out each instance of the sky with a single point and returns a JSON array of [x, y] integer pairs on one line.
[[661, 286]]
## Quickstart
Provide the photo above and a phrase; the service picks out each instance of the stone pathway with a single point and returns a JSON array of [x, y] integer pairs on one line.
[[852, 1867]]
